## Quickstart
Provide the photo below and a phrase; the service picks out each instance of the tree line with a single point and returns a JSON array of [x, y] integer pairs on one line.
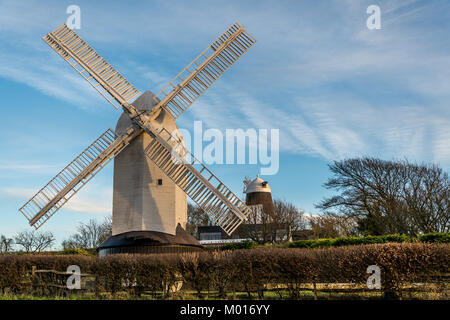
[[373, 197], [88, 236], [385, 197]]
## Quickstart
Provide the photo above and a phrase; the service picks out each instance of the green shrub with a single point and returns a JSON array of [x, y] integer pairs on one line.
[[390, 238], [399, 238], [435, 237], [347, 241], [338, 242], [319, 243]]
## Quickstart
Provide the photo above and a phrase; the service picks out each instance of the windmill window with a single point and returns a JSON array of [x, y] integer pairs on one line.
[[159, 182], [264, 184]]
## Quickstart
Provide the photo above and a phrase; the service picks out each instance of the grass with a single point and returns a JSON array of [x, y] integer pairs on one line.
[[214, 295]]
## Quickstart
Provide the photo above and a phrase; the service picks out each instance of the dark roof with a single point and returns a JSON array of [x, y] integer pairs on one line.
[[150, 238]]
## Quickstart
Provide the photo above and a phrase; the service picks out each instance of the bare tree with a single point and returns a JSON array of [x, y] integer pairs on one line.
[[390, 196], [258, 227], [331, 225], [427, 196], [6, 244], [263, 227], [90, 235], [196, 217], [288, 216], [34, 241]]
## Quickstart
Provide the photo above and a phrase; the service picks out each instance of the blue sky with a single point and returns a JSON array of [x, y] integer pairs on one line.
[[334, 88]]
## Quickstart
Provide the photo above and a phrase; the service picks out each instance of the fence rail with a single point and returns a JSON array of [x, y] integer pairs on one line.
[[55, 279]]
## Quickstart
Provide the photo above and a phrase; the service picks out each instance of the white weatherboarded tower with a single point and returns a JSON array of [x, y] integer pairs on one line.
[[144, 198]]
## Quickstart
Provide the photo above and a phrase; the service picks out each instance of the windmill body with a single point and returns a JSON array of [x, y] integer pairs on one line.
[[258, 192], [153, 170], [144, 199]]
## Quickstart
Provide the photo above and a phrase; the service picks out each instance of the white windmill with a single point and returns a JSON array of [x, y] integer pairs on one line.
[[151, 174]]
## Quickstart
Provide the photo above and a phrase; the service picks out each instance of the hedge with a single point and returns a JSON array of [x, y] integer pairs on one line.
[[435, 237], [247, 244], [82, 252], [392, 238], [15, 270], [251, 271]]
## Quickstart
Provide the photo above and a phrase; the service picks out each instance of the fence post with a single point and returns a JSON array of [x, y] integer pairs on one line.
[[315, 290]]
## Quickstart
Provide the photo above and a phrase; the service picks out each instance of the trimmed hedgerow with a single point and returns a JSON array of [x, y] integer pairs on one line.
[[251, 271], [16, 270]]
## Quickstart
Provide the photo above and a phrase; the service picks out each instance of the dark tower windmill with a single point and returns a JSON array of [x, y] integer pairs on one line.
[[258, 193], [153, 170]]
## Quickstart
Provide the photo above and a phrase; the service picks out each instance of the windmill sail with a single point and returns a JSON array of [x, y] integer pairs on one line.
[[69, 181], [87, 62], [201, 185], [201, 73]]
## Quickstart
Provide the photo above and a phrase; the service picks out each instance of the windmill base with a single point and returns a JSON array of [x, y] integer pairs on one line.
[[149, 242]]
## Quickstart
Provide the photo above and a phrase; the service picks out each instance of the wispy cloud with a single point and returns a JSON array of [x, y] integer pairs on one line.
[[332, 86], [49, 76], [91, 200], [28, 167], [23, 193], [333, 126], [351, 92]]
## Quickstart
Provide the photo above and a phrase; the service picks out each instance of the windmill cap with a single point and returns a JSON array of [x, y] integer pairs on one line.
[[145, 102], [258, 185]]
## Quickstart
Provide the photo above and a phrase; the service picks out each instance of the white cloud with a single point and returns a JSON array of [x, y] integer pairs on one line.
[[99, 202], [27, 167], [23, 193], [91, 200]]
